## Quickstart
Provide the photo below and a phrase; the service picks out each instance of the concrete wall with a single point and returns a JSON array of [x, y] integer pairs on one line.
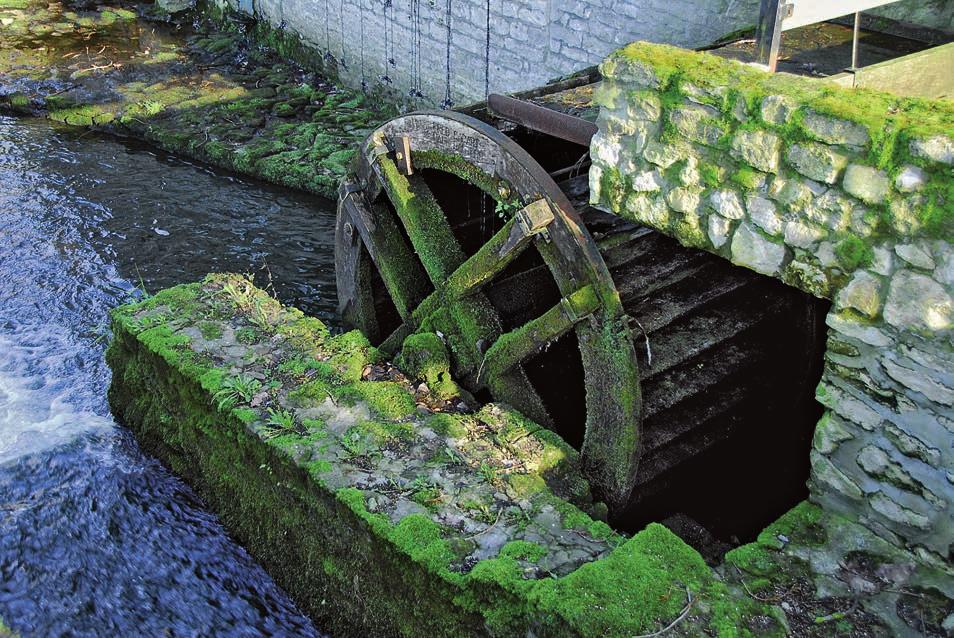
[[451, 52]]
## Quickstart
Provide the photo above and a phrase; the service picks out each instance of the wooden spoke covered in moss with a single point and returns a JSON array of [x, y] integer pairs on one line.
[[424, 242]]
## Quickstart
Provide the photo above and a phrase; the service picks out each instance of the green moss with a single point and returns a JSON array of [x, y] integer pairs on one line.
[[747, 178], [853, 253], [639, 587], [524, 550], [448, 424], [712, 175], [424, 357], [211, 330], [387, 398]]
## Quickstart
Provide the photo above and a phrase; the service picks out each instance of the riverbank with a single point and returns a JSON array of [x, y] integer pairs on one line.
[[183, 85]]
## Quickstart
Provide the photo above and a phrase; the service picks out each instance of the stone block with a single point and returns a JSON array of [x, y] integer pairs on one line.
[[379, 543], [830, 433], [937, 149], [912, 446], [752, 250], [697, 123], [832, 209], [910, 179], [832, 130], [825, 473], [689, 173], [644, 106], [807, 277], [635, 73], [684, 199], [647, 181], [918, 381], [758, 149], [662, 155], [763, 214], [862, 293], [897, 513], [803, 234], [877, 464], [915, 255], [817, 161], [647, 209], [868, 184], [727, 204], [917, 302], [777, 109], [851, 408], [719, 228]]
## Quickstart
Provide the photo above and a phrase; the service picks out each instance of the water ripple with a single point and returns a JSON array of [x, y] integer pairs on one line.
[[96, 539]]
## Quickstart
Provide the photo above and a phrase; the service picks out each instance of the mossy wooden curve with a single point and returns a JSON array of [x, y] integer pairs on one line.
[[391, 226]]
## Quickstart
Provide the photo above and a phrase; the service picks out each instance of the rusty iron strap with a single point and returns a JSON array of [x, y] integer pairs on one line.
[[539, 118]]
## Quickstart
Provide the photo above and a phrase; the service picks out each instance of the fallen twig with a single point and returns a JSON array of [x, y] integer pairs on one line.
[[682, 614]]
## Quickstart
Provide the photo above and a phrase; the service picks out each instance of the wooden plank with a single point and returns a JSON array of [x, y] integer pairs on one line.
[[812, 11], [768, 35]]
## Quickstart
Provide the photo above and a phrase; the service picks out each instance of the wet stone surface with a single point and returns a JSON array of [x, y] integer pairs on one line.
[[187, 87]]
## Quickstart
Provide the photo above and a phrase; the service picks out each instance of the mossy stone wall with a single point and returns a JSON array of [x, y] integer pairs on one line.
[[846, 194], [383, 511]]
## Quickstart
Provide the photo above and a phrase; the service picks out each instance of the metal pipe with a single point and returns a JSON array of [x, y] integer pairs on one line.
[[854, 41]]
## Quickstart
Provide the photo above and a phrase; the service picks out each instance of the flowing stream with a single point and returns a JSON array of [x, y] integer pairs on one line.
[[97, 539]]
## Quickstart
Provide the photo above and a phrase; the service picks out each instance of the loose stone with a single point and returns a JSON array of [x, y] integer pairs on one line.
[[683, 199], [647, 181], [719, 228], [803, 234], [835, 131], [915, 255], [777, 109], [897, 513], [757, 148], [823, 470], [938, 148]]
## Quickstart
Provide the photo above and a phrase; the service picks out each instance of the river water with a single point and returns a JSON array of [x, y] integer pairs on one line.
[[97, 539]]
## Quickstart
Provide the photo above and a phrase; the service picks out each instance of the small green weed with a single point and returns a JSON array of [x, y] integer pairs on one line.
[[281, 422], [235, 388]]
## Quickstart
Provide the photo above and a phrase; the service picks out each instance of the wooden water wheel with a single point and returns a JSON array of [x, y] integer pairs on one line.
[[642, 353]]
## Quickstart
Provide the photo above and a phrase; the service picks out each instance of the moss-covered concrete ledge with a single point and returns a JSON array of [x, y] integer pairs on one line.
[[846, 194], [385, 509], [209, 93]]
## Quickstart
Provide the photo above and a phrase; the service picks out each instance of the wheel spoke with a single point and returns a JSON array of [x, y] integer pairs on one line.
[[424, 220], [402, 274], [515, 347], [505, 246]]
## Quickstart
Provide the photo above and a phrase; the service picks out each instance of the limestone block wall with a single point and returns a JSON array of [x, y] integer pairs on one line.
[[452, 52], [847, 195]]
